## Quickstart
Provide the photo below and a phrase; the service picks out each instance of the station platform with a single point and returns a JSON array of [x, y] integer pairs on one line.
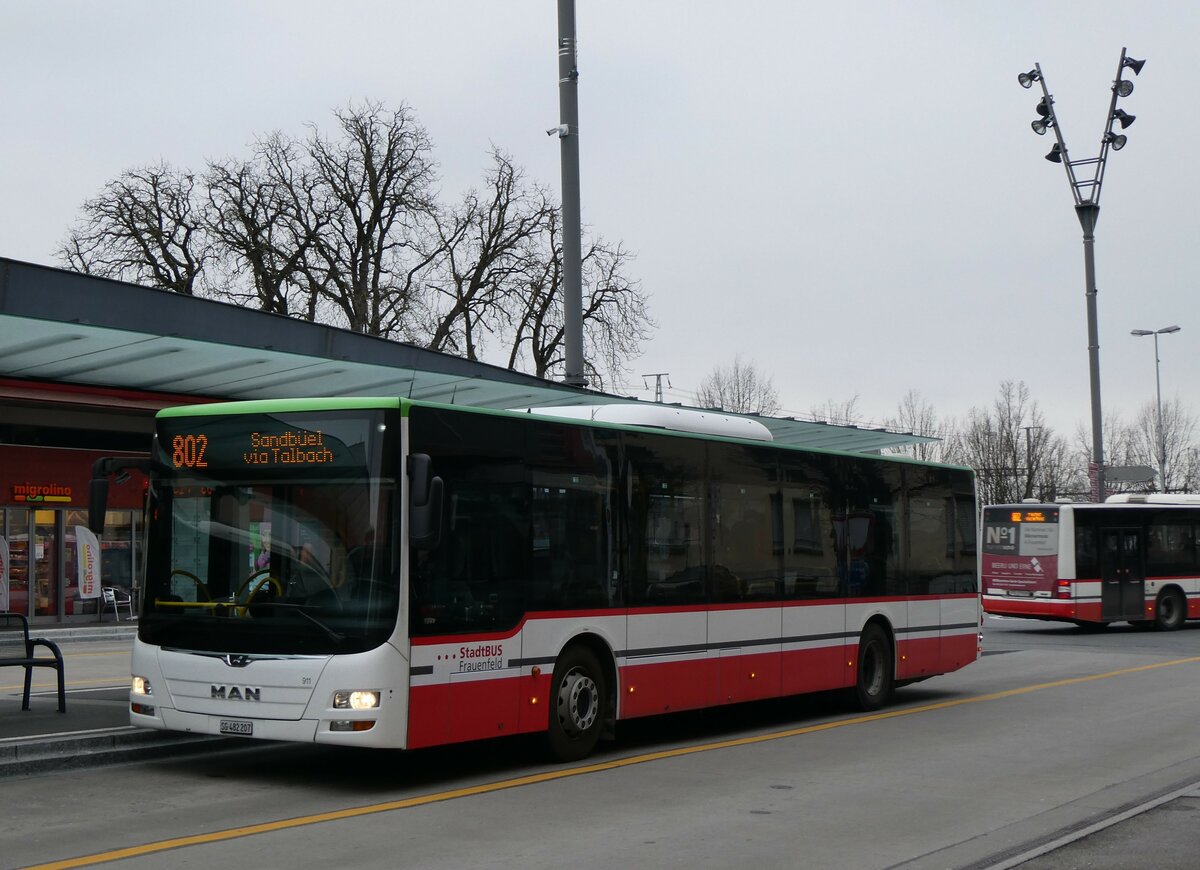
[[95, 728]]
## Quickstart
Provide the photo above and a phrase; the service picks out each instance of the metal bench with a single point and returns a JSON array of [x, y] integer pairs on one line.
[[14, 654]]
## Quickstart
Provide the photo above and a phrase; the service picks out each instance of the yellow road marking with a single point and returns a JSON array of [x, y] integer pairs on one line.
[[550, 776]]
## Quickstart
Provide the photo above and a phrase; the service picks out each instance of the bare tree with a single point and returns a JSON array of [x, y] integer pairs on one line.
[[1136, 443], [377, 182], [147, 227], [1177, 442], [1014, 452], [1119, 450], [267, 214], [615, 316], [347, 229], [486, 245], [740, 388], [915, 414], [837, 413]]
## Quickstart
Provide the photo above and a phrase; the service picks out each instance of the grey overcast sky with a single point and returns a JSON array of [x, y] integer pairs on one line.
[[848, 195]]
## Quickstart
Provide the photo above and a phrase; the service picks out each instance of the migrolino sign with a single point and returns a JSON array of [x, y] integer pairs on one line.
[[39, 493]]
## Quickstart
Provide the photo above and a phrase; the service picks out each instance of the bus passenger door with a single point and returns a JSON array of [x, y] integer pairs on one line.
[[1122, 574]]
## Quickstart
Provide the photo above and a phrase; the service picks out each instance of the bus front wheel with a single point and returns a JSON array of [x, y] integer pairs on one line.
[[876, 673], [1170, 611], [578, 698]]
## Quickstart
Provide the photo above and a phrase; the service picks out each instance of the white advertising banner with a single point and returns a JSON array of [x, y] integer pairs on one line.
[[87, 548], [3, 574]]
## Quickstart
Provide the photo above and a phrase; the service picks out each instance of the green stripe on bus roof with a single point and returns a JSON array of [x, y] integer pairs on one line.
[[277, 406], [280, 406]]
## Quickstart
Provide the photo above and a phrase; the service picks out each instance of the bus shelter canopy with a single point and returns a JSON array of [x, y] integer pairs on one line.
[[68, 328]]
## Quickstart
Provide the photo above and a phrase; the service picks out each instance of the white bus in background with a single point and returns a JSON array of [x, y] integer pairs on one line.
[[1134, 558]]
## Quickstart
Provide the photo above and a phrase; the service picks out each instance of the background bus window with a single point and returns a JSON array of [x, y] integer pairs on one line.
[[867, 529], [808, 538], [573, 546], [941, 534], [1087, 547], [667, 521], [1171, 547], [745, 492]]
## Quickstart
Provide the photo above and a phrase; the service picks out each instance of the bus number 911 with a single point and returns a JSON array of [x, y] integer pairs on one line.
[[188, 451]]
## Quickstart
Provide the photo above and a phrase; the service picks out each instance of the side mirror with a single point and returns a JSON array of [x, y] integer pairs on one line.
[[97, 504], [424, 503], [98, 488]]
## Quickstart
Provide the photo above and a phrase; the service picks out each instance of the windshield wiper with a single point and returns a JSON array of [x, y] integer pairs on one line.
[[303, 609]]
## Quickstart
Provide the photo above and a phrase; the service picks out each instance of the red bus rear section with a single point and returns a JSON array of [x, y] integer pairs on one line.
[[1134, 559]]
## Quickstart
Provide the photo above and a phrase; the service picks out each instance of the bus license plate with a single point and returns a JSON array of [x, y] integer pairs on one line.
[[241, 729], [1020, 593]]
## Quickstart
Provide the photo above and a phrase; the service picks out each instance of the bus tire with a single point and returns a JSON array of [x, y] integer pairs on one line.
[[876, 670], [1170, 610], [578, 697]]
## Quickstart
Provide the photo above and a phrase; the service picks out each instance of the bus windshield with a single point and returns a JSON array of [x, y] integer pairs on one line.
[[272, 534]]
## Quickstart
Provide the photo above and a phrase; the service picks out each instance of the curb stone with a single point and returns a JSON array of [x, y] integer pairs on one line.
[[19, 756]]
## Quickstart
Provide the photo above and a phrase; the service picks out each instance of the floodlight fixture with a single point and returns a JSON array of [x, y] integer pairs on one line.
[[1026, 79], [1124, 88], [1116, 141], [1055, 155], [1043, 108], [1124, 117], [1135, 65], [1041, 125]]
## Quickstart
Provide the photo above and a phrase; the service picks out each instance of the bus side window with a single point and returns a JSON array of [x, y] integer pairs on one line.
[[1087, 560]]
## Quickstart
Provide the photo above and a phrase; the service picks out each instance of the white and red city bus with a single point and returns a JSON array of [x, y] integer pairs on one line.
[[391, 573], [1135, 558]]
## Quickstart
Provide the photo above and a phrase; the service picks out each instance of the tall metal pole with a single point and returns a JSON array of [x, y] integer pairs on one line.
[[568, 133], [1088, 213], [1162, 441]]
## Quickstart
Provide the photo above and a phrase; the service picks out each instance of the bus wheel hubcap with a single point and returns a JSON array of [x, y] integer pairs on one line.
[[872, 671], [577, 703]]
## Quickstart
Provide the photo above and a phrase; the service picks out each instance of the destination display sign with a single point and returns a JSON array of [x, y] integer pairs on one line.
[[291, 443]]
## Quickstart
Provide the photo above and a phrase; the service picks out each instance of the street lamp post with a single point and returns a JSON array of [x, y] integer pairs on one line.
[[1086, 192], [1162, 437]]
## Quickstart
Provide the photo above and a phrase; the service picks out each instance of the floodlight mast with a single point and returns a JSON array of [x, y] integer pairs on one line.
[[1086, 193]]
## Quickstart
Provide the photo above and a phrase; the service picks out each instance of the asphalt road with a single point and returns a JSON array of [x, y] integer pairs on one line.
[[1053, 731]]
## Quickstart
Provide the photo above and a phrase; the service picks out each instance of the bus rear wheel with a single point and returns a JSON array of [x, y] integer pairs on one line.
[[876, 671], [579, 698], [1170, 611]]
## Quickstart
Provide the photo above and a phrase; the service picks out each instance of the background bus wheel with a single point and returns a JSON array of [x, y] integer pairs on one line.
[[578, 696], [875, 671], [1170, 611]]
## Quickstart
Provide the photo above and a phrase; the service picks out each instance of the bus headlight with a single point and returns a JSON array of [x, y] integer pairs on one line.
[[359, 699], [140, 686]]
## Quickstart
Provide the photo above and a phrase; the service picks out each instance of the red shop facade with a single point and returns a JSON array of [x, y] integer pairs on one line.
[[43, 499]]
